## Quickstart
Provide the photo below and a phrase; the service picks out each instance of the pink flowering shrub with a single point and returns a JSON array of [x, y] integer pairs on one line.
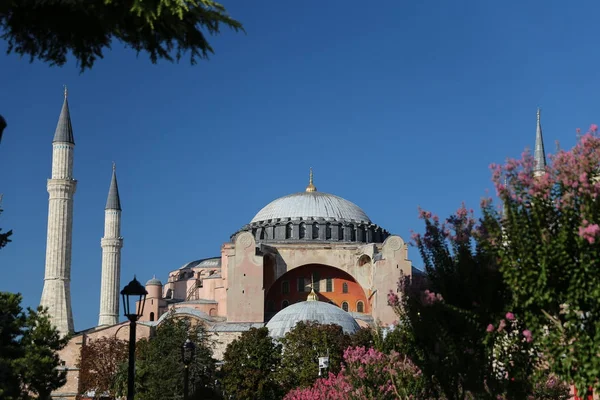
[[367, 374], [547, 242], [442, 311]]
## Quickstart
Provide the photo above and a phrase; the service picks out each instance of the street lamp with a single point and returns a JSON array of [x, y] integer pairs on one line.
[[188, 350], [129, 293]]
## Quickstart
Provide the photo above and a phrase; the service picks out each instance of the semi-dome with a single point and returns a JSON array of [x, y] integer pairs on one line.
[[310, 310]]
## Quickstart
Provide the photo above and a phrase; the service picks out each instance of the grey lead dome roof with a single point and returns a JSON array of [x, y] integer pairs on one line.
[[311, 204], [318, 311]]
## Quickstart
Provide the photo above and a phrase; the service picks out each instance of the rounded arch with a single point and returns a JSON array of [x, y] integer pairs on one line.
[[364, 260], [360, 306], [332, 285], [345, 306]]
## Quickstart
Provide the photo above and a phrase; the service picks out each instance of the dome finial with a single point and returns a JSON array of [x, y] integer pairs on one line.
[[312, 296], [66, 91], [311, 187]]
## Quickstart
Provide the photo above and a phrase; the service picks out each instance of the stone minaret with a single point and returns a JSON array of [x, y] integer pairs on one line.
[[112, 242], [56, 295], [539, 154]]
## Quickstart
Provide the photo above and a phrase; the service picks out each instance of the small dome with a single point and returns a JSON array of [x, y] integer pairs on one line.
[[312, 204], [317, 311], [154, 282]]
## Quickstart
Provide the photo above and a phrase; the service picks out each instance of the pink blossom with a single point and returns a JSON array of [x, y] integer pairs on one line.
[[429, 297], [593, 127], [490, 328], [424, 214], [510, 316], [589, 232], [393, 299], [527, 335], [501, 325]]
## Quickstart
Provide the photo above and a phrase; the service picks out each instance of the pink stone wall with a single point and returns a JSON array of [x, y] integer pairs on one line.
[[245, 294], [72, 351]]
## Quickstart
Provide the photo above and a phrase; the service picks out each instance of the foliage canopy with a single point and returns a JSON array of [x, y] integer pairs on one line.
[[29, 346], [159, 365], [99, 364], [249, 365], [48, 30]]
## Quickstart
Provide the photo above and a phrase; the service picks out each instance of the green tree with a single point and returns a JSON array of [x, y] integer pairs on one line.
[[250, 365], [364, 337], [29, 346], [159, 364], [165, 29], [12, 320], [4, 237], [547, 242], [303, 345], [99, 365]]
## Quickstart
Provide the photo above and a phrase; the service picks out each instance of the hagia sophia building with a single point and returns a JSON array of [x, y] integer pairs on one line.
[[305, 256]]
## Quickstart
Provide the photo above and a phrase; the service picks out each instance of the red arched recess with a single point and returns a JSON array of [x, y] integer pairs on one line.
[[332, 285]]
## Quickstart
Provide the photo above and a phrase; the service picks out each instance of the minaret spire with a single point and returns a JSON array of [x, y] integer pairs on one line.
[[56, 296], [113, 202], [64, 129], [311, 187], [111, 243], [539, 154]]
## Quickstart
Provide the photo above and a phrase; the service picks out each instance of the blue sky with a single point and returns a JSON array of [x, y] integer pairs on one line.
[[396, 106]]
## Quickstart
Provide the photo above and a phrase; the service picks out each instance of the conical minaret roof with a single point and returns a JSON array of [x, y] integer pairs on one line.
[[539, 154], [64, 129], [113, 202]]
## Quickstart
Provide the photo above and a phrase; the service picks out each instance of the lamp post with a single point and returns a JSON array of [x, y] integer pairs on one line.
[[188, 350], [130, 292]]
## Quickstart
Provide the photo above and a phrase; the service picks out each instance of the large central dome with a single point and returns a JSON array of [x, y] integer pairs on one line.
[[313, 216], [311, 205]]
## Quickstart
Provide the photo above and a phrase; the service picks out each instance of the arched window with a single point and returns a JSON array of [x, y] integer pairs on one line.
[[352, 233], [288, 231], [328, 231], [360, 307], [262, 233], [302, 230], [151, 316], [329, 285], [284, 304], [345, 306], [341, 232], [345, 287], [315, 230]]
